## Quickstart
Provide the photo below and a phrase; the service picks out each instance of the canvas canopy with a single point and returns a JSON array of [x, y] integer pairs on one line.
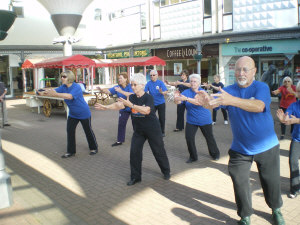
[[29, 63], [128, 62]]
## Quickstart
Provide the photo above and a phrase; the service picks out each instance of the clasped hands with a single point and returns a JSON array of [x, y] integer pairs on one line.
[[286, 118]]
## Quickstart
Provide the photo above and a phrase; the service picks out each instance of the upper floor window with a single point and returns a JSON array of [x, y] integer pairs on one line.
[[171, 2], [227, 14], [19, 11], [98, 15], [206, 16], [299, 11]]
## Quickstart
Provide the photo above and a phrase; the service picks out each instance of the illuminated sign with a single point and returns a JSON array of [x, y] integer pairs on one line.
[[126, 54]]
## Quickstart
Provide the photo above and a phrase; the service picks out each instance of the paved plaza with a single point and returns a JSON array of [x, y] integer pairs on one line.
[[92, 190]]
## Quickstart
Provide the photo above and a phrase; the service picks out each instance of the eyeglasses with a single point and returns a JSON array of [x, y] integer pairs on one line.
[[287, 81], [153, 75], [63, 77], [244, 69], [134, 85]]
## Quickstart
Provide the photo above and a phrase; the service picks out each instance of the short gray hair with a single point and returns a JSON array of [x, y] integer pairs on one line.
[[196, 76], [153, 71], [139, 78], [298, 86], [287, 78]]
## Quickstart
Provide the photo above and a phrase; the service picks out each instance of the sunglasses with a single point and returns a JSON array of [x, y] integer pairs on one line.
[[153, 75], [287, 81], [63, 77]]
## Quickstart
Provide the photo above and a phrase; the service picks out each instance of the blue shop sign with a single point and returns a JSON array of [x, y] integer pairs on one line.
[[261, 47]]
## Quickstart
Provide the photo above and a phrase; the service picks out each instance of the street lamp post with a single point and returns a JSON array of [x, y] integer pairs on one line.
[[7, 18]]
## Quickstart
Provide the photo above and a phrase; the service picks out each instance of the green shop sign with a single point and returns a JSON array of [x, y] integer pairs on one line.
[[126, 54], [261, 47]]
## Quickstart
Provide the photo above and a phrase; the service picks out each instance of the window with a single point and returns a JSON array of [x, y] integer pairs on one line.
[[227, 15], [206, 16], [98, 14], [143, 16], [299, 11], [18, 10], [171, 2]]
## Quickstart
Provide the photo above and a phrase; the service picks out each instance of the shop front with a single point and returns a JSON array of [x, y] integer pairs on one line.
[[273, 58], [182, 58]]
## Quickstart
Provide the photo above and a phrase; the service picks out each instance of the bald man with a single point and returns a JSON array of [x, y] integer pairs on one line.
[[254, 139]]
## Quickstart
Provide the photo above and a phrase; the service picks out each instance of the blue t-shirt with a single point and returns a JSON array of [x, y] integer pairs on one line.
[[153, 89], [195, 114], [294, 109], [78, 108], [127, 89], [253, 133]]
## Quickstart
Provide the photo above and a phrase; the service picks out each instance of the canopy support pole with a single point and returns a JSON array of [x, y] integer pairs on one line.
[[24, 80]]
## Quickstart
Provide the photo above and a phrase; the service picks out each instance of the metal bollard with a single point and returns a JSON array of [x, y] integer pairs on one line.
[[5, 183]]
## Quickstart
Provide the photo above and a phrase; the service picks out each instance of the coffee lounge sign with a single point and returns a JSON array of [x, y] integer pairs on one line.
[[176, 53]]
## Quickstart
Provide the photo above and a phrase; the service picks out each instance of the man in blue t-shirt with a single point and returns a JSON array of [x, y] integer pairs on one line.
[[158, 90], [254, 139]]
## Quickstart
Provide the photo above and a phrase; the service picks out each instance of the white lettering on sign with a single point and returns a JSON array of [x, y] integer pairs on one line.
[[181, 53]]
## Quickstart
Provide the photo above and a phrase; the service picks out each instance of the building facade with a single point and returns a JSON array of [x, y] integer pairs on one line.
[[203, 36]]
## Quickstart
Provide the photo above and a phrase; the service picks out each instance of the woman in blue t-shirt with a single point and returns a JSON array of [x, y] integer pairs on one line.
[[79, 111], [122, 90], [196, 117], [292, 116]]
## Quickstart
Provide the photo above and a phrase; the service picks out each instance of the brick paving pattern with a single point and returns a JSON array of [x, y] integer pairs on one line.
[[92, 190]]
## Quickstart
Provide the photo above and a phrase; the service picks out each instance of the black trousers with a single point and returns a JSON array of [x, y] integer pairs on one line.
[[180, 116], [71, 134], [294, 166], [215, 114], [161, 115], [156, 143], [190, 133], [269, 175]]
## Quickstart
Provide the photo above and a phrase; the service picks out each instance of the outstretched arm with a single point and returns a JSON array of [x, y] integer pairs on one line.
[[114, 106], [53, 93]]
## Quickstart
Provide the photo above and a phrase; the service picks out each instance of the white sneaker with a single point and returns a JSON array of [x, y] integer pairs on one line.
[[213, 123], [225, 122]]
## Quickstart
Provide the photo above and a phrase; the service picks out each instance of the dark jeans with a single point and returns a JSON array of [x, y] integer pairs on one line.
[[180, 116], [71, 134], [269, 174], [215, 110], [123, 118], [156, 143], [190, 133], [294, 166], [283, 126], [161, 115]]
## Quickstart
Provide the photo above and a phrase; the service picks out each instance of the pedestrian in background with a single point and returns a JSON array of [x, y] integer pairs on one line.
[[122, 90], [158, 90], [181, 85], [288, 96], [3, 91]]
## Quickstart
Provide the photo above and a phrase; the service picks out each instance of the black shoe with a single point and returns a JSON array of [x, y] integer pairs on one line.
[[167, 176], [116, 144], [67, 155], [190, 160], [244, 221], [216, 158], [7, 125], [133, 182], [163, 134], [277, 217], [177, 130], [93, 152]]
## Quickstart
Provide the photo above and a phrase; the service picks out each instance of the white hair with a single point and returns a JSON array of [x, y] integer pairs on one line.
[[153, 71], [287, 78], [298, 86], [139, 78], [196, 76]]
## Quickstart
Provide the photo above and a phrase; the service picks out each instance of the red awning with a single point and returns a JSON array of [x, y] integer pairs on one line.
[[75, 61], [141, 61], [29, 63]]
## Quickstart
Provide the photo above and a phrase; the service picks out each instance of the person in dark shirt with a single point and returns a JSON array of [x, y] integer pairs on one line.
[[3, 92], [145, 127], [215, 87], [182, 85]]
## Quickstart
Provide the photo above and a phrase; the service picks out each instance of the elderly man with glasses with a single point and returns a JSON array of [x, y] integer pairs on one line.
[[158, 90], [254, 139]]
